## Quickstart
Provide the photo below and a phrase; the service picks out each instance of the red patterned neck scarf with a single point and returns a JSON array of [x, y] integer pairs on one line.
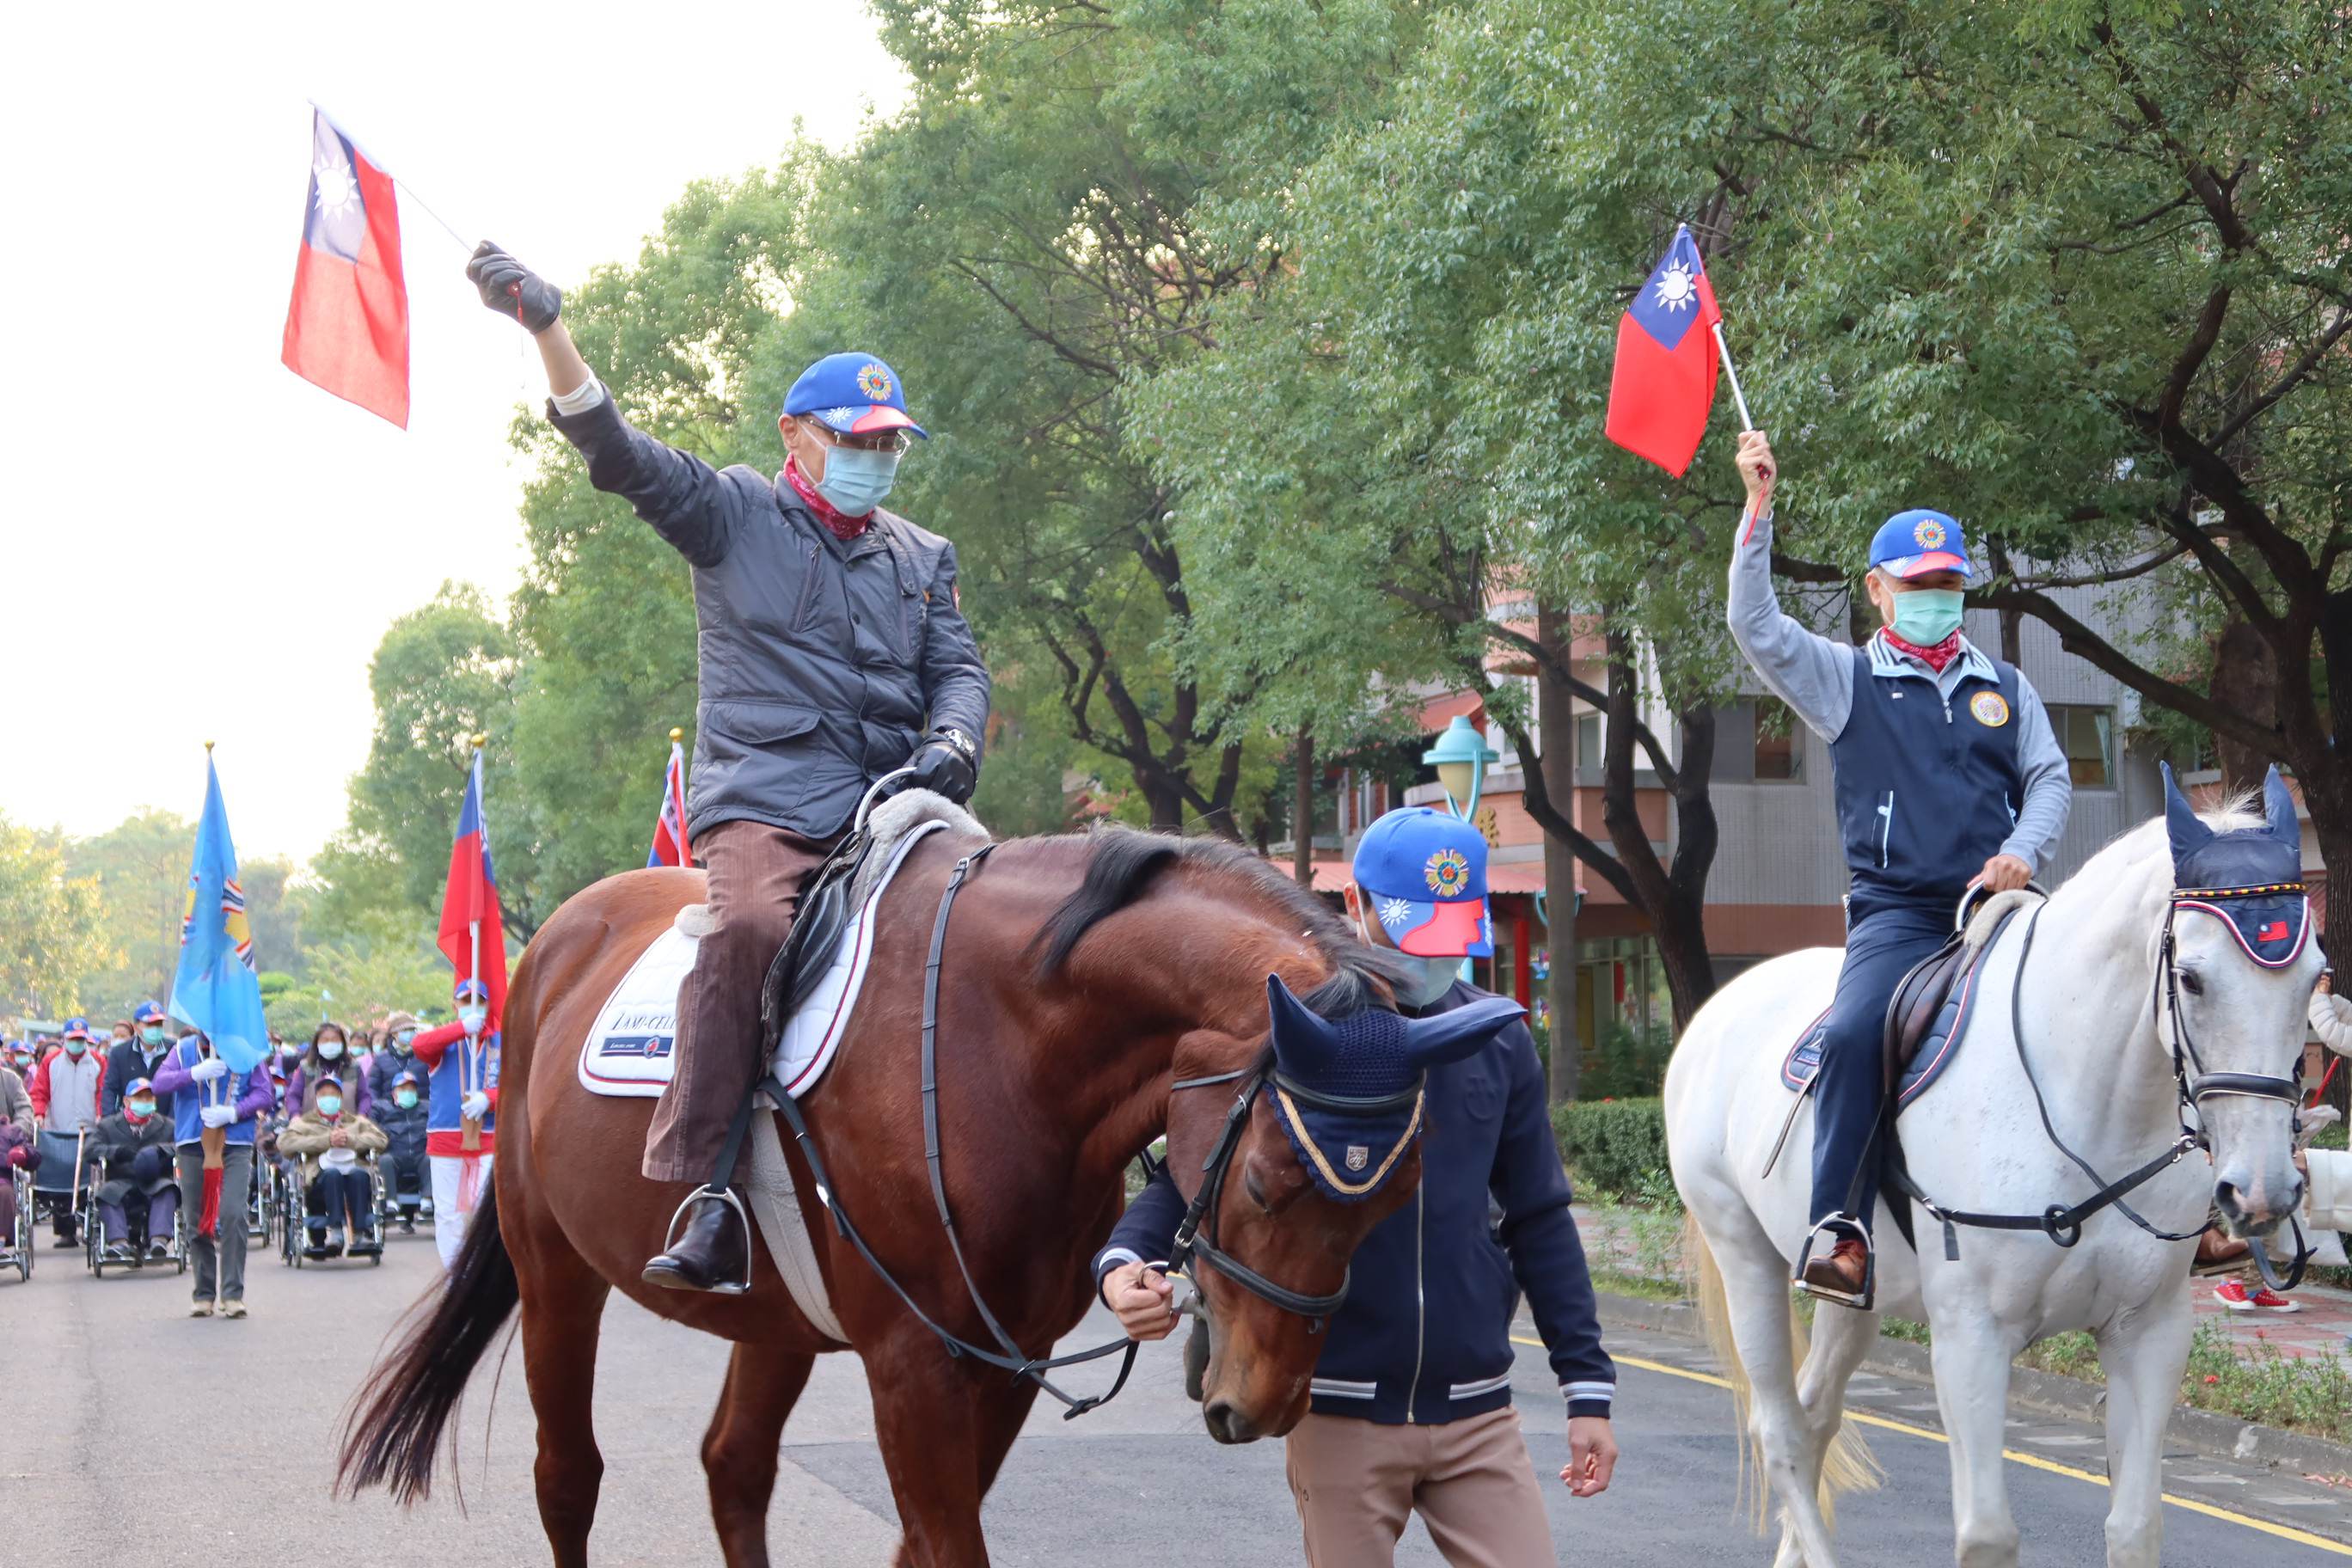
[[1934, 657], [843, 527]]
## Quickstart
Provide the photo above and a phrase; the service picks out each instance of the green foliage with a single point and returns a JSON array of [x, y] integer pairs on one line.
[[1612, 1146], [141, 869], [51, 933], [1626, 1064]]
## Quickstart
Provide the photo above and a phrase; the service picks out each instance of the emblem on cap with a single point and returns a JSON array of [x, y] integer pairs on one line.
[[1446, 872], [1359, 1156], [1927, 534], [875, 382], [1992, 710]]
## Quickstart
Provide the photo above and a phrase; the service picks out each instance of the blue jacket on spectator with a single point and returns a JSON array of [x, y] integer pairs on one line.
[[1424, 1336]]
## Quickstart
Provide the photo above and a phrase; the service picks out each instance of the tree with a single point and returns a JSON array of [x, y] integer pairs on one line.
[[139, 867], [50, 933]]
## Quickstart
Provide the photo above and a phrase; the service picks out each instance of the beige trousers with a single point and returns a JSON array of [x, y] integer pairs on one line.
[[1356, 1483]]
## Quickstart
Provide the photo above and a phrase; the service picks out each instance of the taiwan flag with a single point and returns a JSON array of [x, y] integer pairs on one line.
[[670, 845], [469, 908], [1664, 385], [347, 326]]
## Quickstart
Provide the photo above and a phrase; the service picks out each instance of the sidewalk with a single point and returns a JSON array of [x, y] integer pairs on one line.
[[2323, 1326]]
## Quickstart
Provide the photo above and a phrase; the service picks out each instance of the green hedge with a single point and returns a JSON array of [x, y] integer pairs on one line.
[[1611, 1145]]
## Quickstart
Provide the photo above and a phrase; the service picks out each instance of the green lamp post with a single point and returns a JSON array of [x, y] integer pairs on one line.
[[1461, 757]]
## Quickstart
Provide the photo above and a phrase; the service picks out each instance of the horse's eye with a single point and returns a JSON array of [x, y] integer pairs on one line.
[[2192, 982], [1251, 1186]]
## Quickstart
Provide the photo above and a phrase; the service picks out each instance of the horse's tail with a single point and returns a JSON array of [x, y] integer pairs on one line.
[[409, 1402], [1846, 1467]]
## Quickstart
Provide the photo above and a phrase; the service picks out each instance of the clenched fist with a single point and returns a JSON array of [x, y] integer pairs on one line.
[[512, 290]]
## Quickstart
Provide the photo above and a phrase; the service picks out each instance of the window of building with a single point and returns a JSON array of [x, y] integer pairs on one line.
[[1590, 739], [2087, 736], [1780, 748]]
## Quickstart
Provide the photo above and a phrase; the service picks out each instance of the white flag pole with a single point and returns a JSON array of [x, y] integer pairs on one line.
[[1738, 398]]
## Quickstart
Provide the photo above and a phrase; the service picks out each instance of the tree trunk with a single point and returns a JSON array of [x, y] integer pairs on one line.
[[1674, 902], [1302, 810], [2243, 678], [1164, 799], [1555, 733]]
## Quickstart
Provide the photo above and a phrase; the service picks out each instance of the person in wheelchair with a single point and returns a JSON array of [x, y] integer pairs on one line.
[[20, 1149], [401, 1113], [138, 1198], [337, 1150], [1947, 777]]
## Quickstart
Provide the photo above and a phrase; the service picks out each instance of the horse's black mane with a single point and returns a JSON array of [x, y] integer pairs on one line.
[[1122, 864]]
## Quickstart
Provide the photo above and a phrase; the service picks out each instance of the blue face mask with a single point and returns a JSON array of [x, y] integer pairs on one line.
[[1926, 617], [330, 1049], [855, 480], [331, 1104], [404, 1098]]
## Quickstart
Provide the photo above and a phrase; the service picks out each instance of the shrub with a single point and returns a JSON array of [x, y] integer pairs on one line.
[[1626, 1064], [1614, 1146]]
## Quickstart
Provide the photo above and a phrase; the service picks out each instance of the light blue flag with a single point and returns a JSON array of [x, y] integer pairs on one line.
[[217, 989]]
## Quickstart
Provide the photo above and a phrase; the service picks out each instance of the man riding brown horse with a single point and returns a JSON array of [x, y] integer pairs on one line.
[[832, 651]]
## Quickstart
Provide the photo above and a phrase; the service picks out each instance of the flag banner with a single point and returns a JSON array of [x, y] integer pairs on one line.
[[347, 325], [217, 988], [670, 846], [472, 896], [1663, 385]]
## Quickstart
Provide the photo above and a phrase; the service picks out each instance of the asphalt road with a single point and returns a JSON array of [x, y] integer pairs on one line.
[[208, 1441]]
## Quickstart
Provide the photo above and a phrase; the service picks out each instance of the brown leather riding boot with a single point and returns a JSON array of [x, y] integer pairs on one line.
[[710, 1253], [1840, 1272]]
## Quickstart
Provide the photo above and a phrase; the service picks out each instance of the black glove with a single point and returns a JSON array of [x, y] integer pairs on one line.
[[943, 764], [514, 291]]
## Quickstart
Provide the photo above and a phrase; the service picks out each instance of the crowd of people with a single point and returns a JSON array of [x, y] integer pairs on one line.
[[361, 1122]]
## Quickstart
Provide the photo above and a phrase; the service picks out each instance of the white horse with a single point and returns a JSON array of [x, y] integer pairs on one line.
[[2099, 1029]]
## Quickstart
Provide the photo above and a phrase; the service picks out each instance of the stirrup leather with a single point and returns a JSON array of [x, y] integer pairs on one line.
[[1834, 1229], [742, 1218]]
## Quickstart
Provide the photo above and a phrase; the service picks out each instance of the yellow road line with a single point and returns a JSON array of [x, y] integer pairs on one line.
[[2032, 1461]]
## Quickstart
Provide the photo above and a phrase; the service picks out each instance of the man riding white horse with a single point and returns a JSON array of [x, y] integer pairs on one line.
[[1947, 777]]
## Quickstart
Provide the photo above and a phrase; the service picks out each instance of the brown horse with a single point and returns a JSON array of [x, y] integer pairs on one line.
[[1082, 978]]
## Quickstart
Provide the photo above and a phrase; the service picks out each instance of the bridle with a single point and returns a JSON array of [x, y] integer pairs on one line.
[[1197, 1236], [2193, 1085]]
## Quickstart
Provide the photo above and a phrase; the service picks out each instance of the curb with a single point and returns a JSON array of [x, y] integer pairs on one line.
[[2048, 1392]]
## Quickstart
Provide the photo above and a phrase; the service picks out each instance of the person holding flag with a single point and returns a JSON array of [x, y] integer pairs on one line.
[[461, 1058], [215, 1076], [1947, 776], [832, 651]]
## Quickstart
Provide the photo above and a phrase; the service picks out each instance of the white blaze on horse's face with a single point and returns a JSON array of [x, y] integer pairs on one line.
[[2244, 1018]]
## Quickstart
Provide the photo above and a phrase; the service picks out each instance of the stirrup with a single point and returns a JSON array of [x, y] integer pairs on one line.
[[1835, 1227], [742, 1218]]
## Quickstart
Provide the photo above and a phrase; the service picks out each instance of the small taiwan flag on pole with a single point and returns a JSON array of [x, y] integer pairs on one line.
[[347, 325], [670, 846], [1668, 344]]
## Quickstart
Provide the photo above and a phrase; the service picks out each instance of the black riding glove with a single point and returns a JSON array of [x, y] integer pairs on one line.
[[943, 763], [514, 291]]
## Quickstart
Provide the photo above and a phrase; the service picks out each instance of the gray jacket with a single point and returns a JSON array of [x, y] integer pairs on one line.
[[821, 664]]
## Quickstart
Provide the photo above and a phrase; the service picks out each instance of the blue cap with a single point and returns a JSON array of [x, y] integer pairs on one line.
[[138, 1085], [147, 1013], [1426, 872], [852, 394], [1915, 543], [469, 986], [76, 1030]]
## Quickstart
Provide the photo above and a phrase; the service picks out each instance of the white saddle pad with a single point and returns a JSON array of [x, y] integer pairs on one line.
[[628, 1053]]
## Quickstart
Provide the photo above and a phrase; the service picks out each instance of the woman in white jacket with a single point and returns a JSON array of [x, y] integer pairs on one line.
[[2328, 1204]]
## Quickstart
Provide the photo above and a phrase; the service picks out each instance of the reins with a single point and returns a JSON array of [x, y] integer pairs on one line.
[[2064, 1223]]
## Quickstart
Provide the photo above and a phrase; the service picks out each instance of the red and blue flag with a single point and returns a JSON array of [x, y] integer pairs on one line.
[[1663, 385], [347, 325], [670, 845], [469, 908]]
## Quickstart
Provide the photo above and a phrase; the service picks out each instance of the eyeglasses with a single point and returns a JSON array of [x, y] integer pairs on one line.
[[882, 441]]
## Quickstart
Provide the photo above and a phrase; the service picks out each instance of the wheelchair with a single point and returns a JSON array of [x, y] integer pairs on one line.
[[387, 1197], [17, 1248], [95, 1240], [294, 1200], [58, 1185]]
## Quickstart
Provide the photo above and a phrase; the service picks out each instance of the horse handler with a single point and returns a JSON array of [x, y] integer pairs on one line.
[[1412, 1394], [1947, 777], [832, 651]]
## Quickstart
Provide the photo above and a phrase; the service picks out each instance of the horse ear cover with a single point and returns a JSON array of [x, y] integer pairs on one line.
[[2189, 835], [2278, 805], [1310, 1046]]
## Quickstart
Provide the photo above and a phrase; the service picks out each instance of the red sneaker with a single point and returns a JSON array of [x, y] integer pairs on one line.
[[2233, 1294]]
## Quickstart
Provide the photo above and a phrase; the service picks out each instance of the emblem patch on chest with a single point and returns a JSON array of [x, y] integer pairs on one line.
[[1991, 707]]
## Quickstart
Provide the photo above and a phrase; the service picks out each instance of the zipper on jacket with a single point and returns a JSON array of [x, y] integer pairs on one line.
[[1420, 1299], [1886, 828]]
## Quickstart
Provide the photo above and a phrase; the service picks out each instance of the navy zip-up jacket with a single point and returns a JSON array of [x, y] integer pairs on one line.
[[1424, 1336]]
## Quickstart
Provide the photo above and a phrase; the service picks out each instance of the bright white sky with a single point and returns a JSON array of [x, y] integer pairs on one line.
[[194, 544]]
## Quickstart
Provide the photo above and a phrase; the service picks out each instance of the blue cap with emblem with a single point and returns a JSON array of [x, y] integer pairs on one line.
[[1915, 543], [1426, 872], [852, 394]]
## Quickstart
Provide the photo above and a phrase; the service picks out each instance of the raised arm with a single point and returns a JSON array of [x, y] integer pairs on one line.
[[1808, 671], [2048, 783], [677, 493]]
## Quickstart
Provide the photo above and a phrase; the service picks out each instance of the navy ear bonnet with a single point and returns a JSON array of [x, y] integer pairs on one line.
[[1347, 1091], [2251, 880]]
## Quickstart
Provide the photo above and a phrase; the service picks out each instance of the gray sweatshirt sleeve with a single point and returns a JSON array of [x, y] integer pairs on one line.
[[1808, 671], [2049, 783]]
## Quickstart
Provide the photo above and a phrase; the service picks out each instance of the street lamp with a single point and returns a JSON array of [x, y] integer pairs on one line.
[[1461, 757]]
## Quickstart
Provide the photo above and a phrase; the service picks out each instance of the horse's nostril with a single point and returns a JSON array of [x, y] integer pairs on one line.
[[1227, 1424], [2225, 1198]]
